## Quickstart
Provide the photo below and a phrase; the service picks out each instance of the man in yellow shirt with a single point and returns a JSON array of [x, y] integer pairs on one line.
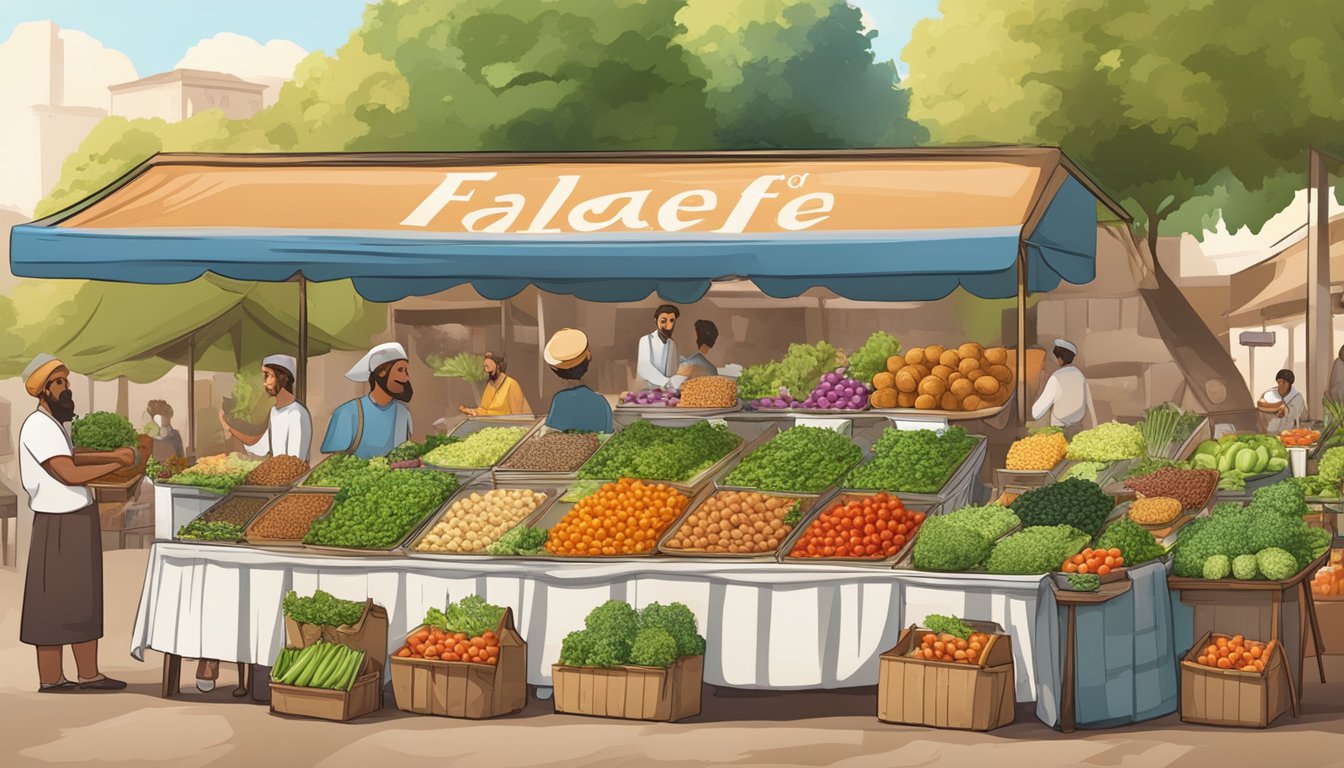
[[503, 395]]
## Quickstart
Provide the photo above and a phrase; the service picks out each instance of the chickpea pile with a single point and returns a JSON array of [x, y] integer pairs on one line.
[[621, 518], [1037, 452], [292, 516], [740, 522], [473, 523], [708, 392]]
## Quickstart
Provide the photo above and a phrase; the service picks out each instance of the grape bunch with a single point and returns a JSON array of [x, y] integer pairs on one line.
[[838, 392]]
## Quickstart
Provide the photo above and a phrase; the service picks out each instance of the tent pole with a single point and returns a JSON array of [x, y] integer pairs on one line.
[[191, 395], [1320, 325], [541, 345], [1022, 406], [302, 373]]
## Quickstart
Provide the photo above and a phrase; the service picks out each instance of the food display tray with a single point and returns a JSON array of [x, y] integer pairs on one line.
[[524, 478], [268, 497], [961, 476], [675, 411], [288, 544], [808, 501], [476, 424], [928, 507], [749, 431], [553, 495], [864, 445], [1025, 479], [837, 412], [396, 548], [299, 484], [981, 413]]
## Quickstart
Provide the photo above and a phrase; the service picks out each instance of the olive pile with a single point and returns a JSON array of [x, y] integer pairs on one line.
[[277, 471], [739, 522], [235, 510], [553, 452], [292, 516], [1191, 487]]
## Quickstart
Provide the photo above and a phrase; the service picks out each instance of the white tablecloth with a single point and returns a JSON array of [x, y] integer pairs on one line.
[[768, 626]]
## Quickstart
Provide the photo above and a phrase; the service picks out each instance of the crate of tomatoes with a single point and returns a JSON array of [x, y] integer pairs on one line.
[[948, 673], [467, 661], [857, 528], [1233, 681]]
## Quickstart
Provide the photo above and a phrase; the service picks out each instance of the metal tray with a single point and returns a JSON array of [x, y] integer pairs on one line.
[[865, 448], [553, 495], [294, 544], [267, 497], [808, 501], [660, 411], [929, 508], [982, 413], [476, 424], [516, 478], [955, 479], [749, 431], [1028, 478]]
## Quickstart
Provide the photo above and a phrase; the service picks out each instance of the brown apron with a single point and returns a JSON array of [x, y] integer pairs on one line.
[[63, 592]]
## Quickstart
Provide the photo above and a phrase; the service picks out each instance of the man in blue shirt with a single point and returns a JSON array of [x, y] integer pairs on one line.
[[578, 407], [373, 425]]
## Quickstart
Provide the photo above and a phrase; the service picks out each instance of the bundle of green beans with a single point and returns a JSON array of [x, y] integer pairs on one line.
[[320, 665]]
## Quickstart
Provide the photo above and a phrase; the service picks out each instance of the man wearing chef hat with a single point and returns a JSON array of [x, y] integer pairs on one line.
[[577, 407], [376, 423], [289, 428], [1066, 396], [63, 590]]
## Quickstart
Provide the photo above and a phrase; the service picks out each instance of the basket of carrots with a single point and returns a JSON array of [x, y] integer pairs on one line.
[[949, 673], [468, 661], [1232, 681]]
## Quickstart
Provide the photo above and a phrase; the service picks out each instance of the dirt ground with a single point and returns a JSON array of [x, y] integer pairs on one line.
[[136, 727]]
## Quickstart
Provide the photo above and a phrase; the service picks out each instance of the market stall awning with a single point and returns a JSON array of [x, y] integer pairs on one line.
[[893, 225], [1276, 288]]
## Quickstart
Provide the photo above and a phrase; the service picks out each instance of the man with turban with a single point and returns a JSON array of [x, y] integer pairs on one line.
[[376, 423], [63, 590]]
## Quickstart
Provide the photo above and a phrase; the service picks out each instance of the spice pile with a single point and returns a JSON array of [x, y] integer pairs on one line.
[[1191, 487], [473, 523], [708, 392], [292, 516], [622, 518], [277, 471], [738, 522], [553, 452]]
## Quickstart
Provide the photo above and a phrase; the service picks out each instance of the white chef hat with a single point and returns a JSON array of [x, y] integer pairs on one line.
[[1063, 344], [376, 357], [283, 361]]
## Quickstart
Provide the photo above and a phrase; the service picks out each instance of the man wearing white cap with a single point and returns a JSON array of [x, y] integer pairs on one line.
[[578, 407], [376, 423], [63, 590], [289, 428], [1066, 396]]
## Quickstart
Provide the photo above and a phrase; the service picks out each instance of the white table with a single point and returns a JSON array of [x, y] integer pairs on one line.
[[768, 625]]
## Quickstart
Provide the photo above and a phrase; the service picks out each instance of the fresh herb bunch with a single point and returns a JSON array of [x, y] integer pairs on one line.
[[1111, 441], [919, 461], [341, 470], [871, 358], [615, 634], [479, 449], [1084, 582], [1272, 520], [794, 515], [798, 372], [961, 540], [378, 514], [1165, 427], [643, 451], [950, 625], [1136, 544], [102, 431], [1078, 503], [413, 450], [1036, 550], [522, 540], [471, 616], [202, 531], [797, 460], [322, 608]]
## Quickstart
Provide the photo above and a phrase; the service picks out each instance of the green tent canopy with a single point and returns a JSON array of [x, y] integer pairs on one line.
[[141, 331]]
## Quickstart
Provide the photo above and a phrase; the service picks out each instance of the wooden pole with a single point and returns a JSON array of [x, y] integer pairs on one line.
[[542, 378], [1023, 407], [191, 395], [301, 386], [1320, 336]]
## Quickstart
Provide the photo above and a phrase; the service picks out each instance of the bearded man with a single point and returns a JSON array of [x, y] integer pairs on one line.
[[374, 424]]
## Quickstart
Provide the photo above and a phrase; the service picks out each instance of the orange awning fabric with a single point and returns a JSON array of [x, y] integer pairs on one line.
[[898, 225]]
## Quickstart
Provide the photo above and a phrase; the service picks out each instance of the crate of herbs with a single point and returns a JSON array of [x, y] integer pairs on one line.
[[225, 521], [332, 665]]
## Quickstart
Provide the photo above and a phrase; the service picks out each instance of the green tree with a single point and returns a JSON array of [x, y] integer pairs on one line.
[[1170, 106]]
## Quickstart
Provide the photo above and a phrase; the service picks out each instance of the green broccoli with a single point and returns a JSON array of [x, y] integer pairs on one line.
[[679, 623], [1137, 545], [1079, 503], [653, 647], [1276, 564], [1039, 549], [944, 545], [1244, 567], [1217, 567], [576, 648]]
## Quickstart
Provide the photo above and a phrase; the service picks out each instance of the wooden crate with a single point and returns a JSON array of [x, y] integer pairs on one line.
[[631, 693], [365, 696], [1228, 697], [941, 694], [462, 688]]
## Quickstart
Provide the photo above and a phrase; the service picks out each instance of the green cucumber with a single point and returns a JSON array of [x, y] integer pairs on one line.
[[330, 656], [334, 672], [1261, 458], [1227, 460], [303, 659], [349, 681], [322, 654]]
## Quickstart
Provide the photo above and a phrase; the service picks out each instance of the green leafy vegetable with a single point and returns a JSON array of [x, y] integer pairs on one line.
[[653, 647], [206, 531], [522, 540], [479, 449], [614, 634], [871, 358], [471, 616], [961, 540], [102, 431], [412, 450], [1078, 503], [1085, 470], [1136, 544], [1111, 441], [643, 451], [798, 372], [950, 625], [379, 513], [1084, 582], [797, 460], [343, 470], [322, 608], [463, 365], [1036, 550], [919, 461]]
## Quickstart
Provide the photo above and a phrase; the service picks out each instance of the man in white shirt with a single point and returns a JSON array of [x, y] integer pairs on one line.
[[289, 428], [1285, 402], [658, 361], [63, 589], [1066, 396]]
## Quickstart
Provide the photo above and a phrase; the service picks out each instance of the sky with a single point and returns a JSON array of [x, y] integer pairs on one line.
[[155, 34]]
